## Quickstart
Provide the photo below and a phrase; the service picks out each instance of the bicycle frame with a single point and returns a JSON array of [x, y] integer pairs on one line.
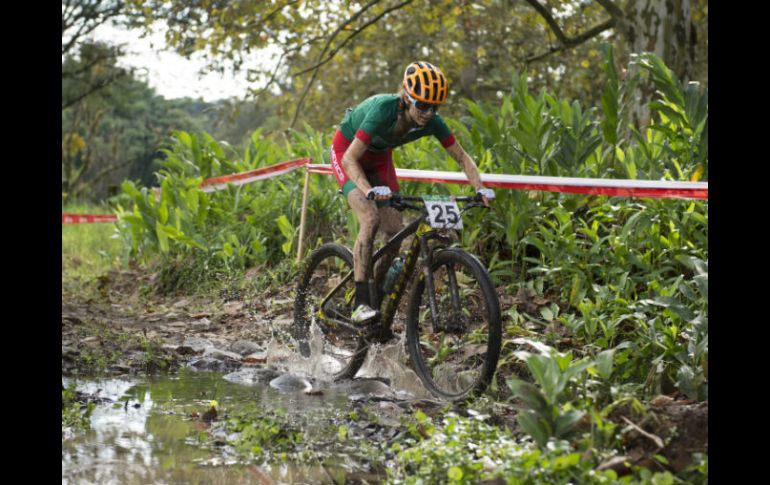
[[419, 247]]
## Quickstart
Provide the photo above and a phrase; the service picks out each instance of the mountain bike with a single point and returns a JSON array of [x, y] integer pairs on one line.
[[453, 332]]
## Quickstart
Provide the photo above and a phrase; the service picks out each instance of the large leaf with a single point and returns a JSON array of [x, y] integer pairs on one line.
[[529, 394], [534, 426], [285, 227], [162, 237], [604, 363], [565, 422]]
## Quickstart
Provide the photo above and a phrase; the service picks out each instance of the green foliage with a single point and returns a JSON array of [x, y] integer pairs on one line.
[[676, 340], [547, 412], [262, 436], [611, 263], [227, 231], [75, 414], [683, 120], [113, 123], [461, 450], [89, 250], [477, 44]]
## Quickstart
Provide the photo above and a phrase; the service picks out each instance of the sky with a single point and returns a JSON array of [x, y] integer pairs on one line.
[[170, 74]]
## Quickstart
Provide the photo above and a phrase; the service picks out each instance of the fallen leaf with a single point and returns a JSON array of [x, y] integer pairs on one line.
[[661, 401], [181, 303]]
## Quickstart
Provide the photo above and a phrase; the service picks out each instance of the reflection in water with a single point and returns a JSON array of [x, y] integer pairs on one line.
[[146, 437]]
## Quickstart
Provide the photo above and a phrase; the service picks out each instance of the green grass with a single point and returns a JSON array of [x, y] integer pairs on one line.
[[89, 250]]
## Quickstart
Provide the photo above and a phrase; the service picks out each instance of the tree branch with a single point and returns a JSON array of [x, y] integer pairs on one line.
[[569, 42], [611, 9], [89, 16], [272, 78], [347, 39], [107, 170], [546, 14], [92, 63], [87, 156], [92, 89], [320, 56]]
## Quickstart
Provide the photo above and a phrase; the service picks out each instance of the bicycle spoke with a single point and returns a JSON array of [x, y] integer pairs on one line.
[[452, 346]]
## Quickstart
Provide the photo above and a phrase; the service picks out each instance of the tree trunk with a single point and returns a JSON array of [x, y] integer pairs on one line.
[[467, 81], [664, 28]]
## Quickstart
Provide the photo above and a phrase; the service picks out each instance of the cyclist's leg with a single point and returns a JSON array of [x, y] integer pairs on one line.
[[366, 213], [368, 221], [364, 210]]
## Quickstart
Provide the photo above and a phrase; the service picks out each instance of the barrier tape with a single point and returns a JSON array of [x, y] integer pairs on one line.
[[86, 218], [610, 187], [221, 182], [660, 189]]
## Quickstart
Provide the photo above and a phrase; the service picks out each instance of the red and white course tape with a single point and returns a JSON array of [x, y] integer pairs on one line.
[[219, 183], [86, 218], [661, 189]]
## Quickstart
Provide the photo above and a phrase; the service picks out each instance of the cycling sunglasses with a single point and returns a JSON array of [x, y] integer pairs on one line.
[[422, 106]]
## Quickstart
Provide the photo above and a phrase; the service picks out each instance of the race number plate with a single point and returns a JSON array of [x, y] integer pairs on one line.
[[443, 212]]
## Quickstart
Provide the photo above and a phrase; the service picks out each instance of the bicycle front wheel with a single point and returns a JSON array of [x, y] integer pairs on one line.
[[325, 297], [455, 351]]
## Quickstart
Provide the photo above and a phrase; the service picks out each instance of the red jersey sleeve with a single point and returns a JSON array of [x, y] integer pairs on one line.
[[364, 136]]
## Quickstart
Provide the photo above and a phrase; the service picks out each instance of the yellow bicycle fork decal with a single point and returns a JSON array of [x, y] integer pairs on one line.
[[423, 229]]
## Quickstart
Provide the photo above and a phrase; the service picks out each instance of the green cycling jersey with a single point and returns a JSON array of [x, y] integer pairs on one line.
[[374, 120]]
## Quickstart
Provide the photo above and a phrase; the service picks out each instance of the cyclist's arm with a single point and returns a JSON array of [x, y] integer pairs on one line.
[[466, 163], [350, 163]]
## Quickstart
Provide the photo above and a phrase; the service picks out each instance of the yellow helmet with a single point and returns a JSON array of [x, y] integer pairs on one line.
[[425, 82]]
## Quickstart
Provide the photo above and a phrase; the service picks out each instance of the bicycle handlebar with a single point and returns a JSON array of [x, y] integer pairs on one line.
[[400, 204], [419, 198]]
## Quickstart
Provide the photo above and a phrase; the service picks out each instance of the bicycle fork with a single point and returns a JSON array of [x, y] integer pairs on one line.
[[454, 324]]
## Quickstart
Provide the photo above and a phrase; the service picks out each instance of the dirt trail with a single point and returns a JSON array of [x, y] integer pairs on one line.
[[117, 330], [114, 329]]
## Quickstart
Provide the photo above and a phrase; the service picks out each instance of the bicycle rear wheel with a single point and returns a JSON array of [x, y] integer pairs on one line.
[[325, 298], [455, 352]]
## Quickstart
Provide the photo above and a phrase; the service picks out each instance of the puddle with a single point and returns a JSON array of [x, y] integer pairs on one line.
[[147, 435]]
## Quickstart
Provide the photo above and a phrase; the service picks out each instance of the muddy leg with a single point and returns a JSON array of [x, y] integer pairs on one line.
[[368, 221]]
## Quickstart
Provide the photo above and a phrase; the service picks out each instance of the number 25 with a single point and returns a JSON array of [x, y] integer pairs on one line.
[[452, 216]]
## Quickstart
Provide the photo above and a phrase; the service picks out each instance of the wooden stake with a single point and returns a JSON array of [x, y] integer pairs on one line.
[[301, 245]]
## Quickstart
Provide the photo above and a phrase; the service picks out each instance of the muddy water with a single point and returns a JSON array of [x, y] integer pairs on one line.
[[148, 436], [146, 433]]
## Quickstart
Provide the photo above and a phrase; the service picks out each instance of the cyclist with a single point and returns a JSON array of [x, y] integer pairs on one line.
[[361, 158]]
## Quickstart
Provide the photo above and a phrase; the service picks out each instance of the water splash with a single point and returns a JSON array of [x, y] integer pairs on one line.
[[318, 365], [390, 360]]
